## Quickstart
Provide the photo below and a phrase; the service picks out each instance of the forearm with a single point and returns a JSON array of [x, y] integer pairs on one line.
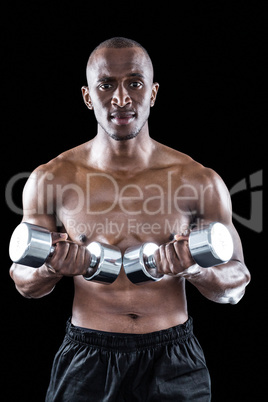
[[32, 282], [222, 284]]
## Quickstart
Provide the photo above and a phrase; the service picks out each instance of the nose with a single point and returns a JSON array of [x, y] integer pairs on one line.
[[121, 97]]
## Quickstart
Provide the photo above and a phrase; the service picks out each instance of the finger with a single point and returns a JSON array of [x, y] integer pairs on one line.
[[55, 260], [59, 255], [74, 261], [164, 265], [57, 237], [184, 255], [172, 258], [82, 261]]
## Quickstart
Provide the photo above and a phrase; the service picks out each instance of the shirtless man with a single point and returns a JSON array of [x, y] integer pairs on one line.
[[126, 341]]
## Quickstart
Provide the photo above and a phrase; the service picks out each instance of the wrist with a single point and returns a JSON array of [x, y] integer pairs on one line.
[[191, 272], [49, 272]]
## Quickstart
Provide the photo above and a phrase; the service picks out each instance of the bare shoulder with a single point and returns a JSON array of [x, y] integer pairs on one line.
[[204, 190], [60, 170], [63, 165], [188, 169]]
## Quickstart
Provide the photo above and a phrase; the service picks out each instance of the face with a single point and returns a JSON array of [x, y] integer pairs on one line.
[[120, 91]]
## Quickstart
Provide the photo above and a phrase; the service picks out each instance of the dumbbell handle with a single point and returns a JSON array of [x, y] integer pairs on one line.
[[208, 247], [93, 258], [31, 245], [150, 261], [107, 259]]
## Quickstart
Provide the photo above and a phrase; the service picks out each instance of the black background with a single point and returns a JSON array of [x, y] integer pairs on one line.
[[209, 59]]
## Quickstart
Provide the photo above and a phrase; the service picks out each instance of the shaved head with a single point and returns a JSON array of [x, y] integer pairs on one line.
[[119, 42]]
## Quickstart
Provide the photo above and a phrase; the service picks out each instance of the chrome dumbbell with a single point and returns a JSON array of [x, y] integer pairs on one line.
[[31, 245], [210, 246]]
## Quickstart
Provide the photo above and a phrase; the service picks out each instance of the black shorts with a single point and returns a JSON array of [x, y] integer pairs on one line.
[[96, 366]]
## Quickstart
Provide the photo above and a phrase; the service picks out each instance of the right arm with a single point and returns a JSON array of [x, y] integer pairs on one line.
[[68, 259], [33, 282]]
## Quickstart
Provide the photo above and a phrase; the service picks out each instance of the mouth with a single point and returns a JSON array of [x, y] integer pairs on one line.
[[121, 118]]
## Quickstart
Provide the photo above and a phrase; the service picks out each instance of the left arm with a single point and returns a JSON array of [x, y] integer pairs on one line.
[[224, 283]]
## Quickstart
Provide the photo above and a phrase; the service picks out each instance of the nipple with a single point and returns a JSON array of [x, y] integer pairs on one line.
[[83, 238]]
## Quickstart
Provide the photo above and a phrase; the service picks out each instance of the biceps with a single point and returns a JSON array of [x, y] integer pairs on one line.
[[37, 205], [215, 206], [215, 203]]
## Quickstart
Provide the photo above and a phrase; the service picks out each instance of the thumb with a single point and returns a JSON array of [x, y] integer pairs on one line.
[[179, 237], [57, 237]]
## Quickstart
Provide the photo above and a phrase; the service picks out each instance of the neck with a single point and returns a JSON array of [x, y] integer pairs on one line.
[[122, 156]]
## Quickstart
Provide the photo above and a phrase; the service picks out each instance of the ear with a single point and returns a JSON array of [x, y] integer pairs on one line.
[[154, 93], [86, 97]]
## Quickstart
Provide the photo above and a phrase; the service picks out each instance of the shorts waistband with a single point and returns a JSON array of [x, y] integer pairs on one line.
[[128, 342]]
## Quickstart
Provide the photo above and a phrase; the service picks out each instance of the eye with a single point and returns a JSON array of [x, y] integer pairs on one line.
[[136, 84], [104, 87]]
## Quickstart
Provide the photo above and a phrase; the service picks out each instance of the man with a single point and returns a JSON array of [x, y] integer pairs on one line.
[[126, 342]]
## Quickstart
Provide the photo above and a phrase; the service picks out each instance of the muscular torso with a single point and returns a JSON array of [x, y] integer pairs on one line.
[[125, 209]]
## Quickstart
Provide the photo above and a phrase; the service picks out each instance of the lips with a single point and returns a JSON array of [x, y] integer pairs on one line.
[[122, 117]]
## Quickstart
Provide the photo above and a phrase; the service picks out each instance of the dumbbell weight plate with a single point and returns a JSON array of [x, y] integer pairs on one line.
[[213, 245], [30, 245], [138, 263], [108, 259]]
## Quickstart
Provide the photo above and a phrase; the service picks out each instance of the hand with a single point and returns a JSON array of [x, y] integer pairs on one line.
[[68, 258], [174, 258]]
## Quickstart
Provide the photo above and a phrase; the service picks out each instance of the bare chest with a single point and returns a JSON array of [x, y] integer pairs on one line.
[[150, 207]]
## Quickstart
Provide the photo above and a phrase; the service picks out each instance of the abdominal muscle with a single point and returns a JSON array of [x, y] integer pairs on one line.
[[124, 307]]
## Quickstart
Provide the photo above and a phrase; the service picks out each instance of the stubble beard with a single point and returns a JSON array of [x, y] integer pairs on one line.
[[127, 137]]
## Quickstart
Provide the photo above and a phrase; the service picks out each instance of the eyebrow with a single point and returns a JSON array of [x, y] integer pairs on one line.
[[136, 75], [106, 78]]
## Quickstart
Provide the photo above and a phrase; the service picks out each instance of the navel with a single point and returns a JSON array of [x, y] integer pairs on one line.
[[133, 316]]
